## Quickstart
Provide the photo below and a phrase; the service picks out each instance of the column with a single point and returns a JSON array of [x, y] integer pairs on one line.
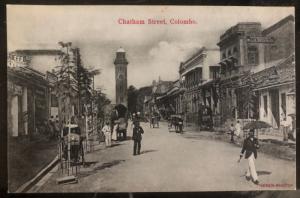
[[14, 115], [25, 109]]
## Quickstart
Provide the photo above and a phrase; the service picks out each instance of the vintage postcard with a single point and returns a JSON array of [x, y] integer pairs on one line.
[[150, 98]]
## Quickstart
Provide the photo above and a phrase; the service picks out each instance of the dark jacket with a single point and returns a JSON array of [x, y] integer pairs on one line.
[[250, 146], [137, 133]]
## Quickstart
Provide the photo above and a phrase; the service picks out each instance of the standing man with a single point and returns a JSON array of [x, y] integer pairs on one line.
[[107, 132], [137, 138], [250, 146]]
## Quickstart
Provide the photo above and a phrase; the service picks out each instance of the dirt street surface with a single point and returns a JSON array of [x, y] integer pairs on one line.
[[173, 162]]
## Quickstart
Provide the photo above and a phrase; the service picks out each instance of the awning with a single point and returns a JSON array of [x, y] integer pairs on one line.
[[191, 69]]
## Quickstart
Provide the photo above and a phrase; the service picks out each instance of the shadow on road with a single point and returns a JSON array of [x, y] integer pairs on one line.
[[128, 138], [263, 173], [117, 144], [88, 164], [148, 151], [108, 164]]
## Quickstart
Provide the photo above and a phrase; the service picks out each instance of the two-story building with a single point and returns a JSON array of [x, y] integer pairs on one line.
[[198, 77], [247, 49]]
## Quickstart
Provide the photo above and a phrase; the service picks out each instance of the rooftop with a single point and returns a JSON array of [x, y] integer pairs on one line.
[[120, 50], [37, 52], [278, 24]]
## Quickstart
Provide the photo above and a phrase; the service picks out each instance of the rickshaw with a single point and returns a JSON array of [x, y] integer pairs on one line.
[[76, 144], [176, 123], [154, 121], [121, 129]]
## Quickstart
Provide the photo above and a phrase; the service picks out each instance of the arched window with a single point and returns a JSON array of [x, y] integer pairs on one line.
[[252, 55]]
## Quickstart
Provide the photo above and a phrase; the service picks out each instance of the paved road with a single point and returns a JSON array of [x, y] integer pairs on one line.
[[173, 162]]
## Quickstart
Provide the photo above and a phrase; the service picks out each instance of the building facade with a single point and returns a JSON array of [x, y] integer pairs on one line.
[[198, 75], [32, 98], [247, 53], [28, 101]]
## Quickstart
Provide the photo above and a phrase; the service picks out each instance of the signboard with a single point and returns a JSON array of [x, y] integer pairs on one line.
[[260, 39]]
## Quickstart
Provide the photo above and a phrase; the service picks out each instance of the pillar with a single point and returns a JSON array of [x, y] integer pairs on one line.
[[14, 116], [25, 109]]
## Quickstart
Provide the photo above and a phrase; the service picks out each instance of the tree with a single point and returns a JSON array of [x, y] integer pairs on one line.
[[66, 83], [84, 82], [132, 98], [101, 101], [142, 92]]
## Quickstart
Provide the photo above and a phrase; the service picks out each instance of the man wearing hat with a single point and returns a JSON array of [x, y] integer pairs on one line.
[[250, 146], [137, 137]]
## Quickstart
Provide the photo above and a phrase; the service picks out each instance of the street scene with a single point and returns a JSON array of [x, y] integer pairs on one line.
[[150, 99]]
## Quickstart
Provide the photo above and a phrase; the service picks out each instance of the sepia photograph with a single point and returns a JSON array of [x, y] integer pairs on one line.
[[150, 98]]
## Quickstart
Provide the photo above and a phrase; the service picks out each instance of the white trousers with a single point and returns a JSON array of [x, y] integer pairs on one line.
[[108, 139], [251, 171]]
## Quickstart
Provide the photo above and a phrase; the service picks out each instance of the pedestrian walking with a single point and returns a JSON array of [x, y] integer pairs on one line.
[[107, 132], [250, 146], [137, 138], [231, 130]]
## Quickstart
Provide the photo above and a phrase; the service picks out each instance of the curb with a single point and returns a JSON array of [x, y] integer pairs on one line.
[[25, 187]]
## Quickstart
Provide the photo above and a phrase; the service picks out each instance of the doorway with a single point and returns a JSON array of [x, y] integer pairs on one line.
[[274, 95]]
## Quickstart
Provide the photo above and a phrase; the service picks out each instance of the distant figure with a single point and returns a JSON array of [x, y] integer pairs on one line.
[[231, 130], [107, 132], [137, 138], [238, 129], [250, 146], [114, 133], [285, 125]]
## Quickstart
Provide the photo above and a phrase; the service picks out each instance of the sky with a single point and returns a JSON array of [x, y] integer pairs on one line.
[[152, 50]]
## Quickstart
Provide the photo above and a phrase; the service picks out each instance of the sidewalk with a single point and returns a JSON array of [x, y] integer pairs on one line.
[[269, 144], [26, 159]]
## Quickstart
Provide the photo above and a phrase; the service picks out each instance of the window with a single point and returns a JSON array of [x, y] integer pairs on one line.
[[234, 50], [266, 104], [214, 72], [252, 55], [224, 56], [54, 101], [229, 53], [283, 103]]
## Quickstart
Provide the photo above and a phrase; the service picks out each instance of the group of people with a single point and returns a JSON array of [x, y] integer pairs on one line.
[[136, 136], [235, 131]]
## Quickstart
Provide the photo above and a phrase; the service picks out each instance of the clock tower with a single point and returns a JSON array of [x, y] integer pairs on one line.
[[121, 76]]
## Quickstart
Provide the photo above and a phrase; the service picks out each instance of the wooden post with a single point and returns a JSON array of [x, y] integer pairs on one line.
[[86, 127]]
